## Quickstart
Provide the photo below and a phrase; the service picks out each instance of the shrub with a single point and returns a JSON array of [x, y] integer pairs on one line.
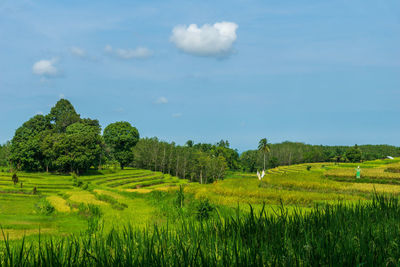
[[180, 197], [204, 209], [44, 207], [15, 178], [308, 167]]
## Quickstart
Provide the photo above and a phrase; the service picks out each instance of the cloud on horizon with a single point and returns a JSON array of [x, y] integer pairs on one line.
[[137, 53], [208, 40]]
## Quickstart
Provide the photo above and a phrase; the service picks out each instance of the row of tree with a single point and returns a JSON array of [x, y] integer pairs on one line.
[[189, 162], [288, 153], [62, 141]]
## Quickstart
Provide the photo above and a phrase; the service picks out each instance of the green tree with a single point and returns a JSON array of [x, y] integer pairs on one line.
[[189, 143], [62, 115], [354, 154], [263, 146], [121, 137], [25, 146]]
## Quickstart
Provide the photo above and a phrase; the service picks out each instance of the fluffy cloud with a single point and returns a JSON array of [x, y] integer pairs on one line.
[[208, 40], [79, 52], [161, 100], [138, 53], [45, 67]]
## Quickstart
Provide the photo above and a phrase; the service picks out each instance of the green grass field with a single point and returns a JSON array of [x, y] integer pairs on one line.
[[61, 204]]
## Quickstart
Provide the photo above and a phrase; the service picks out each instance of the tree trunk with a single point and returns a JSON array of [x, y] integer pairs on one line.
[[264, 160]]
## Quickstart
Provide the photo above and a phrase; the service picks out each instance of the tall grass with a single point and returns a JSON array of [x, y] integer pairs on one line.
[[336, 235]]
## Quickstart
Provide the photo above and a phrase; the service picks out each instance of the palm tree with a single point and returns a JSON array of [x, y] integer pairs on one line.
[[264, 147]]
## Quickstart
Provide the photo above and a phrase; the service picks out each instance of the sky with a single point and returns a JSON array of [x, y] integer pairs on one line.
[[318, 72]]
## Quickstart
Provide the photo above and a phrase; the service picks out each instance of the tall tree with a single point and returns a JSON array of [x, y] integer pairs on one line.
[[263, 147], [121, 137], [62, 115]]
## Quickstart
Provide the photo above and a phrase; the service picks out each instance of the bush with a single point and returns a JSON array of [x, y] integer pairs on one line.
[[15, 178], [308, 167], [180, 197], [204, 209], [44, 207]]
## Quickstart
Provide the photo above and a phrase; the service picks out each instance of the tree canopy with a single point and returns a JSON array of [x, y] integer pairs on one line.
[[60, 141], [121, 137]]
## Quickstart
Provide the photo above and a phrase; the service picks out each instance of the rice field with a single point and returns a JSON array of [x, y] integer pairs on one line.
[[64, 204]]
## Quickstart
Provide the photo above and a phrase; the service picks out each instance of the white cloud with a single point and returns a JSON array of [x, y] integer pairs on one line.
[[45, 67], [177, 115], [79, 52], [209, 40], [61, 96], [138, 53], [161, 100]]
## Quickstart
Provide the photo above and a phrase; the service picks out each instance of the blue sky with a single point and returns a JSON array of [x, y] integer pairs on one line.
[[320, 72]]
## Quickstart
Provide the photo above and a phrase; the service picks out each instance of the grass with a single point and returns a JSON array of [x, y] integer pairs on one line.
[[142, 198], [370, 237]]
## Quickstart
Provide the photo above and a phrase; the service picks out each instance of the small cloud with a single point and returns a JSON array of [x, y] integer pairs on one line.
[[208, 40], [176, 115], [39, 113], [79, 52], [137, 53], [161, 100], [120, 109], [45, 67], [61, 96]]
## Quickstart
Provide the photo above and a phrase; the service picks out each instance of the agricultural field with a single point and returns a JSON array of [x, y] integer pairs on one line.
[[63, 203]]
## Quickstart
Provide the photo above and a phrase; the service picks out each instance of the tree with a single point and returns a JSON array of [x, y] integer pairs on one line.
[[121, 137], [62, 115], [263, 147], [60, 141], [353, 154], [189, 143], [25, 146]]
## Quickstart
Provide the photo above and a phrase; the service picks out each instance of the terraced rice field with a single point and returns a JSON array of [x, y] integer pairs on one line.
[[20, 215], [116, 193]]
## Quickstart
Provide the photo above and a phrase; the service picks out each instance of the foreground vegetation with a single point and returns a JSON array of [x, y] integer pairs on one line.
[[338, 235]]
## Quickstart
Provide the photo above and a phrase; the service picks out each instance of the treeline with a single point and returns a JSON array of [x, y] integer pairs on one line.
[[288, 153], [203, 163], [62, 141]]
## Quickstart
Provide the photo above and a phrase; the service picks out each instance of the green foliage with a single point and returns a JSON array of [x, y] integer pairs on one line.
[[308, 167], [60, 141], [201, 163], [318, 238], [204, 209], [353, 154], [289, 153], [121, 137], [5, 154], [62, 115], [180, 197], [14, 178], [44, 207]]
